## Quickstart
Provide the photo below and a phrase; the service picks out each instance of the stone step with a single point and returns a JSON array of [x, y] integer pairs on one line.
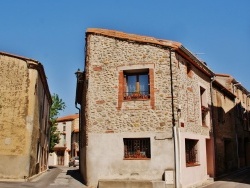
[[130, 184]]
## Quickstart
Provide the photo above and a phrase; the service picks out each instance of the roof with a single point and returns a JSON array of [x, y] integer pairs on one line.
[[233, 81], [67, 118], [223, 89], [171, 45]]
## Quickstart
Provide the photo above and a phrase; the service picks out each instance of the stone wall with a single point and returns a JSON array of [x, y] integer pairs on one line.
[[188, 97], [105, 57]]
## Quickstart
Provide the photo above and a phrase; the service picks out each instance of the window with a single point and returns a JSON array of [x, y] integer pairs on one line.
[[136, 84], [204, 108], [64, 128], [191, 152], [137, 148], [189, 70]]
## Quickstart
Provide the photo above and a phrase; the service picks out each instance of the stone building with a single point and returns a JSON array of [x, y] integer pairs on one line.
[[145, 112], [24, 112], [231, 124], [225, 146], [67, 126]]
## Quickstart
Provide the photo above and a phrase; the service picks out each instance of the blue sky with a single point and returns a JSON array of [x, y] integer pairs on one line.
[[53, 32]]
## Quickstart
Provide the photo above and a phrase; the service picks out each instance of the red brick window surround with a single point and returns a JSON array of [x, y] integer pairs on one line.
[[136, 84], [136, 148]]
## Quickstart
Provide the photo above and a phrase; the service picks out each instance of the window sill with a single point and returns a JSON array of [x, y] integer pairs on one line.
[[136, 158], [192, 164], [205, 126], [127, 100]]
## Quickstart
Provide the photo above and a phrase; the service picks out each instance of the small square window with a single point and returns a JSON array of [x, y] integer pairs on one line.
[[189, 70], [136, 84], [191, 152], [204, 107], [137, 148]]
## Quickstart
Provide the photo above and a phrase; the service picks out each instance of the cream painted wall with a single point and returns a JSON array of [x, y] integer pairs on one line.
[[106, 152], [196, 174]]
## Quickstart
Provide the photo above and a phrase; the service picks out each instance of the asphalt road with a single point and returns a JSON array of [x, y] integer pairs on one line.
[[55, 177], [239, 179]]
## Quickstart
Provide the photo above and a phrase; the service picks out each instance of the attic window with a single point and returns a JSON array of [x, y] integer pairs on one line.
[[189, 70]]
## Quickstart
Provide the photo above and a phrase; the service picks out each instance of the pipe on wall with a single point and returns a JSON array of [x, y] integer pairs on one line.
[[175, 129]]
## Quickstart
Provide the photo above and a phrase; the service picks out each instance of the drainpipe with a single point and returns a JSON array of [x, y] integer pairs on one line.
[[175, 130], [78, 77], [212, 125]]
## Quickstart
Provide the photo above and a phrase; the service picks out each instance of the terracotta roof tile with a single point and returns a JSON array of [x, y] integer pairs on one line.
[[178, 47], [134, 37], [67, 118]]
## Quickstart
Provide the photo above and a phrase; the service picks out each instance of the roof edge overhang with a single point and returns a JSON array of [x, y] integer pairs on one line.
[[133, 37], [67, 118], [195, 61], [174, 46], [224, 90], [233, 81]]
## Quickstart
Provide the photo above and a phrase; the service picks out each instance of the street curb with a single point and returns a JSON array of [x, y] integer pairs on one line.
[[29, 179], [25, 179]]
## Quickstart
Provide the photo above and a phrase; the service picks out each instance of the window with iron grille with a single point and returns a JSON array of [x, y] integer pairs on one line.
[[136, 84], [137, 148], [191, 152]]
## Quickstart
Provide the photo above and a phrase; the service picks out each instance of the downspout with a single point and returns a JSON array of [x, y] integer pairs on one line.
[[79, 110], [175, 130], [213, 126]]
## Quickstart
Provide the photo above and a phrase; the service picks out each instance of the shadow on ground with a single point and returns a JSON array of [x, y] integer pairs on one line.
[[51, 167], [75, 173], [239, 176]]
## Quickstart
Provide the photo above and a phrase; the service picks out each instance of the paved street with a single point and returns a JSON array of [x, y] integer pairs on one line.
[[240, 179], [55, 177]]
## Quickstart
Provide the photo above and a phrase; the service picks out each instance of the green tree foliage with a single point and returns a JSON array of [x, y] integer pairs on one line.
[[57, 106]]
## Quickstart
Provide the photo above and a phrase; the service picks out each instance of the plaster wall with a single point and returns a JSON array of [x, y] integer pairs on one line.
[[105, 157], [15, 125], [52, 159], [21, 118], [193, 175]]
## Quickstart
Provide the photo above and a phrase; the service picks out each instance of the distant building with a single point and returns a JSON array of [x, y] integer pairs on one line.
[[25, 101], [68, 127], [145, 112], [231, 122]]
